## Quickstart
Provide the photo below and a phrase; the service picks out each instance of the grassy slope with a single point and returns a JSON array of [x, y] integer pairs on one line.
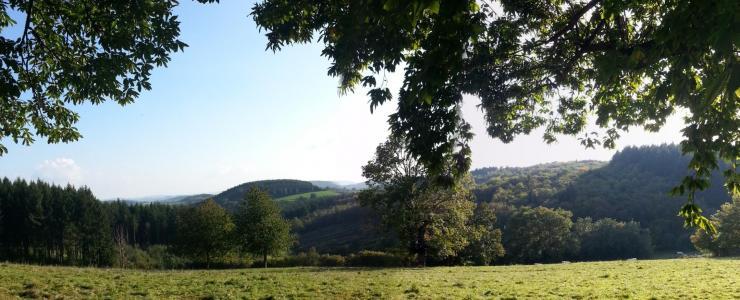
[[678, 279], [319, 194]]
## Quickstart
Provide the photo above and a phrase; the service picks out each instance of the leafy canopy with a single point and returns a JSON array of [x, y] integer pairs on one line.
[[551, 64], [75, 52]]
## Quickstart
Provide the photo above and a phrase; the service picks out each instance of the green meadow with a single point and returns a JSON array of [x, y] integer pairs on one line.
[[317, 194], [698, 278]]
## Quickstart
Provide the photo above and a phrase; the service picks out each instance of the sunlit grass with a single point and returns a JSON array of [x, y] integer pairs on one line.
[[659, 279], [318, 194]]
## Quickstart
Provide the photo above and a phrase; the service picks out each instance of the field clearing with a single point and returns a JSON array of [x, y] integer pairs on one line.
[[319, 194], [657, 279]]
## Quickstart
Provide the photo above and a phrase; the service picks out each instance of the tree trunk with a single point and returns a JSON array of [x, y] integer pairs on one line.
[[264, 258], [208, 261], [421, 245]]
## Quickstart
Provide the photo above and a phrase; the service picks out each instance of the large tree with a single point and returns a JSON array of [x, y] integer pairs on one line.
[[260, 226], [539, 234], [204, 232], [536, 64], [431, 218]]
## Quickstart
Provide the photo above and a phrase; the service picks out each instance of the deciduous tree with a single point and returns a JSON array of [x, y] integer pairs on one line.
[[260, 226], [430, 218], [204, 232], [536, 64]]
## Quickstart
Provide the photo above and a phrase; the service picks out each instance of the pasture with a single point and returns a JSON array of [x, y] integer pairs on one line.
[[653, 279]]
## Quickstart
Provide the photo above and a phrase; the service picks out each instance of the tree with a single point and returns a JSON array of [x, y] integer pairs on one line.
[[727, 240], [485, 237], [610, 239], [536, 64], [261, 229], [204, 232], [539, 234], [430, 218], [73, 52]]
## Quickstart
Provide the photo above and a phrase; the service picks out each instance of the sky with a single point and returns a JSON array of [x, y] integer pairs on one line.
[[225, 111]]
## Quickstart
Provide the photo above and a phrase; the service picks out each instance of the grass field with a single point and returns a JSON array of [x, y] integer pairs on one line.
[[319, 194], [655, 279]]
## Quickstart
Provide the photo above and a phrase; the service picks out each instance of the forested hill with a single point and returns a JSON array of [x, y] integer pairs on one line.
[[276, 188], [634, 185]]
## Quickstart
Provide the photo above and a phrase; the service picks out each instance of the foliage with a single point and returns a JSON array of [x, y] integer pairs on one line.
[[204, 232], [71, 53], [260, 227], [660, 279], [727, 240], [536, 64], [376, 259], [485, 237], [632, 186], [607, 239], [539, 234], [309, 259], [429, 218]]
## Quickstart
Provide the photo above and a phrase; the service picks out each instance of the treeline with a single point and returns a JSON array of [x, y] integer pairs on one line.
[[42, 223], [48, 224]]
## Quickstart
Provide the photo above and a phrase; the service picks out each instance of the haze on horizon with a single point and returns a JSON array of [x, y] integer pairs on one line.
[[226, 111]]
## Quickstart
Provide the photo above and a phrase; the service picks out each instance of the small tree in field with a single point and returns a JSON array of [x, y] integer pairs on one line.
[[204, 232], [260, 226]]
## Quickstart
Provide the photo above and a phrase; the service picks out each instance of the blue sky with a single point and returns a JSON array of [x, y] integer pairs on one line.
[[226, 111]]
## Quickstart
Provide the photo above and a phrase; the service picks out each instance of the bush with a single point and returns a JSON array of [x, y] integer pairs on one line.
[[155, 257], [310, 259], [332, 261], [162, 258], [375, 259]]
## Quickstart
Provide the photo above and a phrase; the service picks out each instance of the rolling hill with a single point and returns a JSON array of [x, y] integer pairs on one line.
[[278, 188]]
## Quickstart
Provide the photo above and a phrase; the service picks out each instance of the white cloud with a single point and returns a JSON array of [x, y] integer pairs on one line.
[[60, 171]]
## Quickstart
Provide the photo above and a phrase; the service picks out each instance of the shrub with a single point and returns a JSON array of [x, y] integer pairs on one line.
[[375, 259], [332, 260]]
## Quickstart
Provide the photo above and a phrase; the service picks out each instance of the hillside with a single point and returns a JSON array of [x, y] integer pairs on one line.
[[278, 188], [634, 185], [651, 279]]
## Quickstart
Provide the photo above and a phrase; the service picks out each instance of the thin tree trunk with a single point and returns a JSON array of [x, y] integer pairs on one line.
[[264, 258]]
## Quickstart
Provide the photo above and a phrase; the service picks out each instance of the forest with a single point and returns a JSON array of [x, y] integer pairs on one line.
[[585, 210]]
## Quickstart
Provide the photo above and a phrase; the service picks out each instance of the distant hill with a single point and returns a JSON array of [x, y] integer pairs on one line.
[[278, 188], [326, 184], [188, 200], [633, 186], [309, 195], [340, 185], [179, 199]]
